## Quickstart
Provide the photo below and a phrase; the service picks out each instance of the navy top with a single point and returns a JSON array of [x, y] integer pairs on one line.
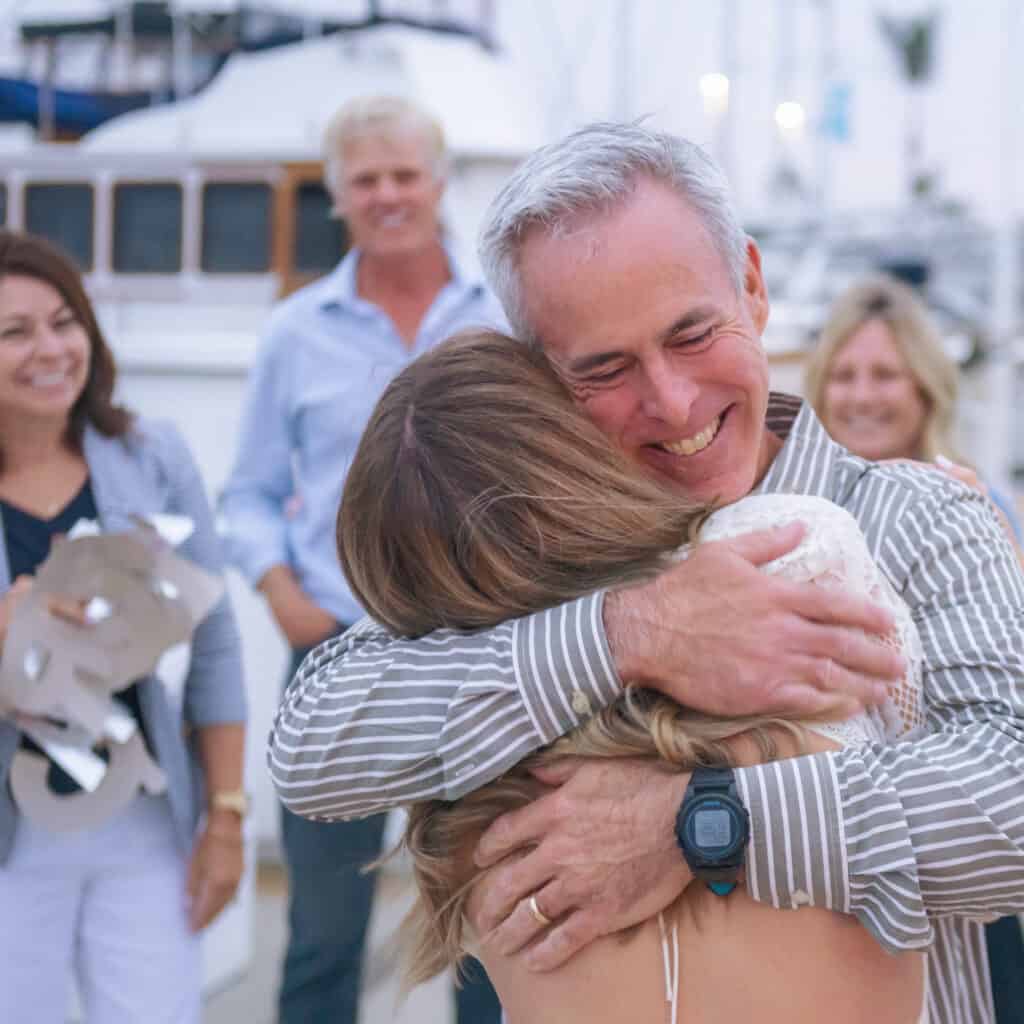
[[28, 539]]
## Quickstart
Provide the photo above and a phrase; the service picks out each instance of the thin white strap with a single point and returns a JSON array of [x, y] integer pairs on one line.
[[671, 972]]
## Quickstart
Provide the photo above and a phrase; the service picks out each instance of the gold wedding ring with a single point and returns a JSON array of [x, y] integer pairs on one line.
[[538, 915]]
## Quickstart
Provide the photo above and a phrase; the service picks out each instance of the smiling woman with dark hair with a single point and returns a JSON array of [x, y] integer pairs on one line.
[[68, 452]]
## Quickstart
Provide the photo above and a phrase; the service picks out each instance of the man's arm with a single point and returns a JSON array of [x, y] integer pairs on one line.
[[894, 834], [252, 502], [934, 826], [373, 721]]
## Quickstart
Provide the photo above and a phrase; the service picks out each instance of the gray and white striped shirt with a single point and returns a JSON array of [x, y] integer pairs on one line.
[[922, 840]]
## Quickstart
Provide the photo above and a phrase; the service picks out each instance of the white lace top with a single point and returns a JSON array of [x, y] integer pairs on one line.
[[833, 554]]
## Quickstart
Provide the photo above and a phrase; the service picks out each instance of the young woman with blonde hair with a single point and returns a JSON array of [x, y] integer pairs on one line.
[[885, 388], [479, 493]]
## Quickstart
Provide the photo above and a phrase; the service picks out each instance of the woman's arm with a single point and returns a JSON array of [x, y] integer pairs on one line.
[[217, 859], [215, 703]]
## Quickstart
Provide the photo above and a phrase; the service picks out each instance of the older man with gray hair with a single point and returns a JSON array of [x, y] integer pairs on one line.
[[617, 250], [329, 352]]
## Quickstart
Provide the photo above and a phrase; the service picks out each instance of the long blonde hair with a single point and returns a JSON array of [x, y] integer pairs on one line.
[[480, 493], [914, 333]]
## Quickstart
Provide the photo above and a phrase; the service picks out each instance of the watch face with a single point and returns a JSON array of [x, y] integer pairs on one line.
[[715, 829], [712, 829]]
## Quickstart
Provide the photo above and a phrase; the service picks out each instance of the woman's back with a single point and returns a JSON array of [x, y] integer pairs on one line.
[[739, 960]]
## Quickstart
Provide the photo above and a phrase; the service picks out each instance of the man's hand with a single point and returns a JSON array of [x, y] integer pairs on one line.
[[215, 868], [601, 856], [721, 637], [303, 622]]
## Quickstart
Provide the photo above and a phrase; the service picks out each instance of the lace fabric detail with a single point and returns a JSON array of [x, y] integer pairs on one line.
[[834, 555]]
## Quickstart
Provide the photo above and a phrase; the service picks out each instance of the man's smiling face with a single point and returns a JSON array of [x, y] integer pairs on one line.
[[637, 310]]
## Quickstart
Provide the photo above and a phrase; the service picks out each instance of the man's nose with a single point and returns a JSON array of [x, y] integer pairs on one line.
[[387, 189], [667, 396]]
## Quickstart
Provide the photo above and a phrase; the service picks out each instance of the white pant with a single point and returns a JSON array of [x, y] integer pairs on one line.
[[106, 905]]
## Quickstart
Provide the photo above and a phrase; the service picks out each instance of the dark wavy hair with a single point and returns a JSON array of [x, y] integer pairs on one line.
[[26, 255]]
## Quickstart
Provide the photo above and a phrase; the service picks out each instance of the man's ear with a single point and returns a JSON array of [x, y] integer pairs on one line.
[[754, 289]]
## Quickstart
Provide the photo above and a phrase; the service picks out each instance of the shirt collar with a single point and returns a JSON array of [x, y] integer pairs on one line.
[[809, 462], [339, 287]]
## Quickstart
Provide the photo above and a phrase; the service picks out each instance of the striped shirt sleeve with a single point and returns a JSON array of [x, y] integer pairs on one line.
[[931, 827], [372, 721]]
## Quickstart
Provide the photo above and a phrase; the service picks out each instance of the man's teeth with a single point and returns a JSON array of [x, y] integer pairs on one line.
[[697, 443], [48, 380]]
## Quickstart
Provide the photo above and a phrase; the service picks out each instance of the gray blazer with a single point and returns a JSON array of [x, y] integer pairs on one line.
[[151, 470]]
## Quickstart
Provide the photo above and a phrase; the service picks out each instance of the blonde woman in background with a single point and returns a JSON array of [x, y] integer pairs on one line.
[[479, 493], [885, 388]]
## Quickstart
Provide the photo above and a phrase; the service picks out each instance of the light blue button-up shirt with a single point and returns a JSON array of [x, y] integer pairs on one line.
[[326, 358]]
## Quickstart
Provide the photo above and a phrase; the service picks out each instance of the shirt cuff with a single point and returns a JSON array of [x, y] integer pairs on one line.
[[563, 665], [797, 851], [254, 557]]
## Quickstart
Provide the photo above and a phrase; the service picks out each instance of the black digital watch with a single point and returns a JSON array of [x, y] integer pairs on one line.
[[713, 828]]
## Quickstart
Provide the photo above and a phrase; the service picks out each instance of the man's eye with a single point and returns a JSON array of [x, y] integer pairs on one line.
[[603, 378], [698, 341], [12, 333]]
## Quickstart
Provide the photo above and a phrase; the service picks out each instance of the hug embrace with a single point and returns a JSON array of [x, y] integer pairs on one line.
[[701, 716]]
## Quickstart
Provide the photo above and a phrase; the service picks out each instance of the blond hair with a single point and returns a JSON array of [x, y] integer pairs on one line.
[[374, 116], [480, 493], [440, 835], [916, 337]]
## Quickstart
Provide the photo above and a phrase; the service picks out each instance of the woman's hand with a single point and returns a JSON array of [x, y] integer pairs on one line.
[[215, 869], [967, 476], [964, 474], [9, 601]]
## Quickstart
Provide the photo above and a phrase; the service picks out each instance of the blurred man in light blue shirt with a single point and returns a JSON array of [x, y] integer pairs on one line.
[[329, 352]]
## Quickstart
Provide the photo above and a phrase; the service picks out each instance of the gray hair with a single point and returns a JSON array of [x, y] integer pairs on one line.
[[374, 116], [592, 171]]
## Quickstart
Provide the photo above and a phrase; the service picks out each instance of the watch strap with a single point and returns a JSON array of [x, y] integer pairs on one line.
[[712, 782]]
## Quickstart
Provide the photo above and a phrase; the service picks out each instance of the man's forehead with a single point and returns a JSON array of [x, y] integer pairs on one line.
[[398, 143]]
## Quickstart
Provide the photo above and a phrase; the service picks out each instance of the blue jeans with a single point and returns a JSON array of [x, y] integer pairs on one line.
[[1006, 964], [328, 915]]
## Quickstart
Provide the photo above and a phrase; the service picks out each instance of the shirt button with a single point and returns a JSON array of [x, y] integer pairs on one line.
[[800, 898], [580, 702]]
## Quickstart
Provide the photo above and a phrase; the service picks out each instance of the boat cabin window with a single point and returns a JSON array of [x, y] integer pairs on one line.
[[63, 213], [147, 228], [320, 240], [236, 228]]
